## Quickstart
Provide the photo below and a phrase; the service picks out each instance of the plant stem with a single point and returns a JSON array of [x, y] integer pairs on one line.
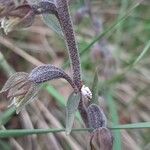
[[67, 27]]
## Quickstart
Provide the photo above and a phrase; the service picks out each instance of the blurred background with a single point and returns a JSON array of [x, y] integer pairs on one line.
[[123, 88]]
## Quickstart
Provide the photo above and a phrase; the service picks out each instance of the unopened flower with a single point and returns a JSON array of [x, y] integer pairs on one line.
[[48, 72], [96, 117]]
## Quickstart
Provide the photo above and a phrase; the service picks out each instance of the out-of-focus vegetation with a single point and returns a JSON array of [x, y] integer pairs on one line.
[[121, 58]]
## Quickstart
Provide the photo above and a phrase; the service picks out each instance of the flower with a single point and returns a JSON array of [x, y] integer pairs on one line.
[[20, 90], [101, 139]]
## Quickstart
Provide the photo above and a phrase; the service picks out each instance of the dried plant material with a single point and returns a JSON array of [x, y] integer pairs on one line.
[[96, 117], [48, 72], [6, 6], [20, 17], [14, 80], [101, 139], [72, 106], [20, 90], [15, 15]]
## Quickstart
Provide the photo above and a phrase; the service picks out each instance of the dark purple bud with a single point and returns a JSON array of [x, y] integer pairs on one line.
[[48, 72], [96, 117]]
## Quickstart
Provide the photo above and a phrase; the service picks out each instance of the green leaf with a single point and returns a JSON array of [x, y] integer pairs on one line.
[[59, 98], [72, 106], [114, 118], [52, 22], [95, 89], [145, 50]]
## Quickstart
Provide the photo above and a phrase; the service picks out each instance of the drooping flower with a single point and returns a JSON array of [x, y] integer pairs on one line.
[[101, 139], [19, 90], [22, 88]]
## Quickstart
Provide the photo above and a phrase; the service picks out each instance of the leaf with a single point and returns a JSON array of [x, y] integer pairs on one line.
[[72, 106], [114, 118], [95, 89], [52, 22], [59, 98]]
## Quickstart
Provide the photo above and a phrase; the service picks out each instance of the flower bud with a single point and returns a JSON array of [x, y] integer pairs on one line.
[[48, 72], [96, 117]]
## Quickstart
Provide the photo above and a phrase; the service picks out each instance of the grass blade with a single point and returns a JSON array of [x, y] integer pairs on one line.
[[142, 54], [107, 30], [25, 132], [140, 125], [115, 119], [7, 115]]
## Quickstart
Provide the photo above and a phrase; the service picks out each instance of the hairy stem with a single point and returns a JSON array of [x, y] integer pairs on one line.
[[67, 27]]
